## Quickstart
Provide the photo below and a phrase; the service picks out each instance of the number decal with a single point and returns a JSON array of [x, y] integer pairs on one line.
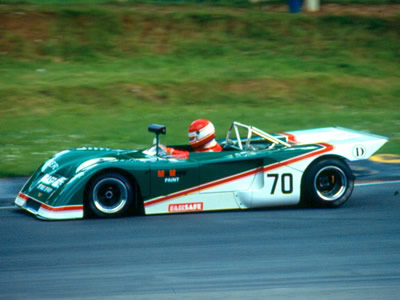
[[275, 176], [286, 183]]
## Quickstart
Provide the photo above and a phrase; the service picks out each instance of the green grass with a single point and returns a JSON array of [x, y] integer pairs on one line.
[[98, 76]]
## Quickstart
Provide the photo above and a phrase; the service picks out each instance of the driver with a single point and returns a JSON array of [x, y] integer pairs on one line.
[[201, 137]]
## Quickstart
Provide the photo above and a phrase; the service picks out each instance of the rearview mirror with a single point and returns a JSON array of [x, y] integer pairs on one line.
[[157, 129]]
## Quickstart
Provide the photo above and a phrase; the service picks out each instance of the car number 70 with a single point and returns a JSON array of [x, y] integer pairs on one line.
[[286, 180]]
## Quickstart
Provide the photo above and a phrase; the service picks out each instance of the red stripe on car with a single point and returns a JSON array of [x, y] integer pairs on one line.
[[23, 196], [326, 148], [291, 137], [52, 208], [61, 208]]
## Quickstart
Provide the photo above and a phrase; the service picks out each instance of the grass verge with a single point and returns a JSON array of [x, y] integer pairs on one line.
[[98, 76]]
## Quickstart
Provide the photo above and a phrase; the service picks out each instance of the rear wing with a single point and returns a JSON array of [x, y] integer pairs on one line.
[[352, 144]]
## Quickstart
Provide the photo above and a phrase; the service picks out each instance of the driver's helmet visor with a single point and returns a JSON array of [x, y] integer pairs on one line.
[[193, 136]]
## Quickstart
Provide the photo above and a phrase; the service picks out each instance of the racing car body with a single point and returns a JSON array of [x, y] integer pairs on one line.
[[255, 169]]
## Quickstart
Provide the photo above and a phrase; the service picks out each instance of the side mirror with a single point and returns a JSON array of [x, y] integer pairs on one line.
[[157, 129]]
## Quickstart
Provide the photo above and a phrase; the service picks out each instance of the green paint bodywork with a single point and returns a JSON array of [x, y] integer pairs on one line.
[[76, 167]]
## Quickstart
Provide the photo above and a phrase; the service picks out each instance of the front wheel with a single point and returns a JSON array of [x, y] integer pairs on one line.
[[110, 195], [327, 183]]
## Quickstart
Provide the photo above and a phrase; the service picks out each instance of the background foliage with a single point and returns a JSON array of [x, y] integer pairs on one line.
[[96, 75]]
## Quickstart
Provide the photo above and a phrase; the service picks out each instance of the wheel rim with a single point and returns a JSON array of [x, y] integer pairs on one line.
[[110, 195], [330, 183]]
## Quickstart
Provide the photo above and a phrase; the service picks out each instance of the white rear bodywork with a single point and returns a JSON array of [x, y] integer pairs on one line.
[[351, 144]]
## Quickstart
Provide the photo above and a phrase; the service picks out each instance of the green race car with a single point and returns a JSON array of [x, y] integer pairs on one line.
[[255, 169]]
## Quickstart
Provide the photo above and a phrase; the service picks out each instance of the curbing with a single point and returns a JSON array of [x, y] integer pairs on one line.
[[386, 158]]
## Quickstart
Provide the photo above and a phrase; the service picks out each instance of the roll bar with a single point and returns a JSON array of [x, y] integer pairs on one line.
[[250, 131]]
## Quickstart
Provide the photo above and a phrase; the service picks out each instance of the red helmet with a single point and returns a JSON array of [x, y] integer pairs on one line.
[[200, 133]]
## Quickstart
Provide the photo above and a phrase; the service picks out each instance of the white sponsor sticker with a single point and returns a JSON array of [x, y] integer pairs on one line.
[[53, 181], [180, 207]]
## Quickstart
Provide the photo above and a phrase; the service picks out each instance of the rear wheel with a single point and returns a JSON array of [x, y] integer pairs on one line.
[[327, 183], [110, 195]]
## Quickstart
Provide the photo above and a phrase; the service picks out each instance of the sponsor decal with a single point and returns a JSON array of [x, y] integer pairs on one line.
[[359, 151], [44, 188], [52, 181], [93, 149], [172, 176], [180, 207], [161, 173], [171, 180], [51, 163]]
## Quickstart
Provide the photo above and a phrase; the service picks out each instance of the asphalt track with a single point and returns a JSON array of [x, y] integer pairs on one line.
[[352, 252]]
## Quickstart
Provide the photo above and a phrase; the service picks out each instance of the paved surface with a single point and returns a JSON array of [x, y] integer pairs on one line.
[[376, 170], [347, 253], [9, 188]]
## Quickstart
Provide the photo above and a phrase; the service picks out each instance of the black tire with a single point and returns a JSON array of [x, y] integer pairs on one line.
[[110, 195], [327, 183]]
